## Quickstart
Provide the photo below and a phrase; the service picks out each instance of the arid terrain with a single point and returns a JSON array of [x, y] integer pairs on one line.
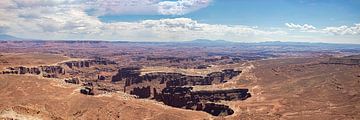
[[201, 80]]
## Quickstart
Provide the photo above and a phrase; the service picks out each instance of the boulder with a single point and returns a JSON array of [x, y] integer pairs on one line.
[[87, 91], [73, 81], [141, 92], [22, 70], [218, 109], [100, 77]]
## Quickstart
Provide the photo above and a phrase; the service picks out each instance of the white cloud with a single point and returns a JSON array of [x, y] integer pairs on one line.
[[344, 30], [3, 29], [115, 7], [111, 7], [69, 19], [5, 3], [184, 29], [37, 3], [305, 27], [148, 7], [181, 7]]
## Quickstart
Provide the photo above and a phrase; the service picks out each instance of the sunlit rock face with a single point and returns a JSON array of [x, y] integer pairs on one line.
[[170, 88]]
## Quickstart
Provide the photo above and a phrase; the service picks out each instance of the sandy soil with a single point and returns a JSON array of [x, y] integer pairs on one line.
[[30, 59], [292, 88], [31, 97]]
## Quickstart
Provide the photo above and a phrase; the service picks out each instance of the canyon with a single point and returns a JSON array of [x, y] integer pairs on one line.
[[118, 80]]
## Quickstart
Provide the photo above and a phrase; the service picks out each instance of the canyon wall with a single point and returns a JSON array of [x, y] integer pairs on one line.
[[174, 89]]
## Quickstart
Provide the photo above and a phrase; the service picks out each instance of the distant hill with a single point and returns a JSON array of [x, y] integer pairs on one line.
[[206, 42], [8, 37]]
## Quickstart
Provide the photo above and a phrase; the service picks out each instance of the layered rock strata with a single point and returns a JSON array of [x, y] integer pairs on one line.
[[88, 63], [45, 71], [174, 89]]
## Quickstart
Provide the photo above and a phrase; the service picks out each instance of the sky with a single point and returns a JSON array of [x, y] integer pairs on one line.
[[328, 21]]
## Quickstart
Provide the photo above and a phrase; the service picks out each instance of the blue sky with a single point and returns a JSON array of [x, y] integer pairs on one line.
[[267, 13], [333, 21], [271, 13]]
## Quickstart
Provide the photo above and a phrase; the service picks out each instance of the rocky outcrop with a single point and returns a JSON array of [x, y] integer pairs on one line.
[[177, 97], [88, 63], [173, 92], [217, 109], [171, 59], [346, 60], [217, 95], [100, 77], [132, 73], [73, 80], [202, 67], [10, 72], [185, 97], [46, 71], [87, 91], [131, 79], [22, 70], [169, 94], [132, 76], [141, 92], [52, 71]]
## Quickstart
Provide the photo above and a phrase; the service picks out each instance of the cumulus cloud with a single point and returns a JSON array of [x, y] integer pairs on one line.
[[181, 7], [38, 3], [147, 7], [305, 27], [3, 29], [191, 26], [76, 24], [178, 29], [344, 30], [115, 7], [341, 30], [70, 19]]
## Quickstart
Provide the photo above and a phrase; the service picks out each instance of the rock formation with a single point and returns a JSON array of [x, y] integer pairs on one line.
[[46, 71], [132, 76], [88, 63], [100, 77], [87, 91], [73, 80], [185, 97], [173, 92], [22, 70], [171, 59], [141, 92], [217, 109], [347, 60]]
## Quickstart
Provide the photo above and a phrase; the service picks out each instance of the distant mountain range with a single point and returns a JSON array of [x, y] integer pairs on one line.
[[8, 37], [205, 42], [199, 42]]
